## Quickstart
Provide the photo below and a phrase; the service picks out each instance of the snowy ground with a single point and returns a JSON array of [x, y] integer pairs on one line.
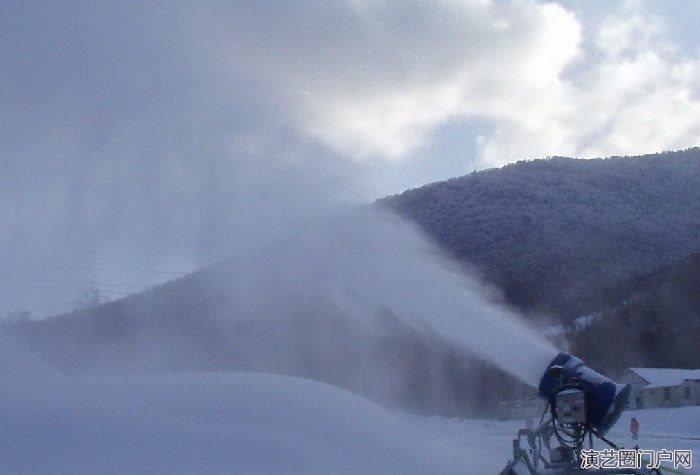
[[673, 428], [238, 423]]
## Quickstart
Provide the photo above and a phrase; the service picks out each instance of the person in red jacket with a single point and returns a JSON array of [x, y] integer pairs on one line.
[[634, 428]]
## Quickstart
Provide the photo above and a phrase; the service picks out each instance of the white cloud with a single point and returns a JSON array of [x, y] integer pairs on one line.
[[630, 93], [372, 80]]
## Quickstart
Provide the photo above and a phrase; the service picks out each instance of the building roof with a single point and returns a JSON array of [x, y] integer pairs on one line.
[[661, 377]]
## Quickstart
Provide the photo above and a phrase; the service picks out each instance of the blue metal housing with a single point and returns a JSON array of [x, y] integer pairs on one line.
[[605, 399]]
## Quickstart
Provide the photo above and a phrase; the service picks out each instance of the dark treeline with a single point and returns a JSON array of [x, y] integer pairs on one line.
[[650, 320]]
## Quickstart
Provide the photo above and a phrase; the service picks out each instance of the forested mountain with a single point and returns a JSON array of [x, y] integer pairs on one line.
[[553, 234]]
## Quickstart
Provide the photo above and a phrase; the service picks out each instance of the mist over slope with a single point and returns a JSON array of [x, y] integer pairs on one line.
[[367, 304], [554, 233], [360, 300]]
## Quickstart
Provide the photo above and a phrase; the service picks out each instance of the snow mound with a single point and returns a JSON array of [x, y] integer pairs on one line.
[[210, 423], [248, 423]]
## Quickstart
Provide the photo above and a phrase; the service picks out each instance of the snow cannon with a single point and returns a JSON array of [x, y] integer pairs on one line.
[[579, 395], [582, 404]]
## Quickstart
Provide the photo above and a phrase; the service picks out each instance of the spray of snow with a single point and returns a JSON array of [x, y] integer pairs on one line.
[[362, 263]]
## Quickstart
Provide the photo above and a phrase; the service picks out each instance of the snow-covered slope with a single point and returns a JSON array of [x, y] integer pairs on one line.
[[248, 423], [208, 424]]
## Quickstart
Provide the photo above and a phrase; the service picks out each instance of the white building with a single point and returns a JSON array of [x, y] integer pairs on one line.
[[662, 387]]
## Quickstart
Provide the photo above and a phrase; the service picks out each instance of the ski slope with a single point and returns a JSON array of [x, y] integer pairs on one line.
[[244, 423]]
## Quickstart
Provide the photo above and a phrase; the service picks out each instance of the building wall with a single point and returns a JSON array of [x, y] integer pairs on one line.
[[643, 397], [630, 377], [636, 383], [693, 392], [635, 400], [670, 396]]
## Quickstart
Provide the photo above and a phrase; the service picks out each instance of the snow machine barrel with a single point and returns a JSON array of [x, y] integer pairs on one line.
[[604, 399]]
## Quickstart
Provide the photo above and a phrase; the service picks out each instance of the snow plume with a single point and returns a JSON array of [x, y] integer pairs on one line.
[[297, 262], [164, 139], [364, 263]]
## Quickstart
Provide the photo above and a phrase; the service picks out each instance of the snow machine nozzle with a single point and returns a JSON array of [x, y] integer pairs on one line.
[[604, 399]]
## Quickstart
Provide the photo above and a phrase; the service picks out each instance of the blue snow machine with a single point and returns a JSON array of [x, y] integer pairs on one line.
[[582, 404]]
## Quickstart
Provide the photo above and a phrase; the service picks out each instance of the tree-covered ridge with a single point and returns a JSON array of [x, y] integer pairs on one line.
[[553, 233]]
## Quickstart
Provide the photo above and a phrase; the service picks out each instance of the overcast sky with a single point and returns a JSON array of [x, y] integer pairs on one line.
[[138, 140]]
